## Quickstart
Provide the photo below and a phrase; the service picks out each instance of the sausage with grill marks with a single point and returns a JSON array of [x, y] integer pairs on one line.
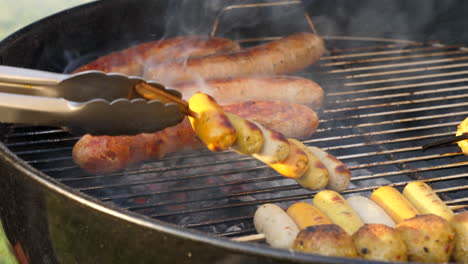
[[283, 88], [106, 154], [130, 61], [283, 56]]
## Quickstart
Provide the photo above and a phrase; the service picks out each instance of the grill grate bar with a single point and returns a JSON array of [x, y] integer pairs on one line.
[[417, 77], [43, 151], [410, 70], [45, 141], [412, 110], [380, 89], [390, 132], [398, 65], [401, 103], [387, 52], [35, 133], [384, 59]]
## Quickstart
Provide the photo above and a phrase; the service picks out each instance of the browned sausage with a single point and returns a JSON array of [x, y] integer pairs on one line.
[[284, 88], [287, 55], [130, 61], [292, 120], [106, 154]]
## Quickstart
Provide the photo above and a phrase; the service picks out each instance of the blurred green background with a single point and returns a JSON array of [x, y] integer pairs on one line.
[[15, 14]]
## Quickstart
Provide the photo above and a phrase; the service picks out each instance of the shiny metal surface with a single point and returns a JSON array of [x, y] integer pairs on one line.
[[86, 102]]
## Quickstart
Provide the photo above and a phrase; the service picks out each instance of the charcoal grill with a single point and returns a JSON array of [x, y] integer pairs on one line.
[[385, 99]]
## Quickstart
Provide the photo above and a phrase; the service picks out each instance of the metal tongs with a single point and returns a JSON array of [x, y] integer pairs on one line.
[[88, 102]]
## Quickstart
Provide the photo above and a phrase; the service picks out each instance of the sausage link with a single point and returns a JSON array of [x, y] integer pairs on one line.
[[287, 55], [130, 61], [283, 88]]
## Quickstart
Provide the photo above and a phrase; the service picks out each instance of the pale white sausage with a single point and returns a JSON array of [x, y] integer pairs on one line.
[[279, 229], [369, 211]]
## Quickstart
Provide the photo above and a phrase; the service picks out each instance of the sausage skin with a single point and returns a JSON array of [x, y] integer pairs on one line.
[[276, 115], [283, 88], [283, 56], [130, 61], [107, 154]]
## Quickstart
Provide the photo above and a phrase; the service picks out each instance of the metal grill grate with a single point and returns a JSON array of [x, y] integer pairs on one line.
[[383, 102]]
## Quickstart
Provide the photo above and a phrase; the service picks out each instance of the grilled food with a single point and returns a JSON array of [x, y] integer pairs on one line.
[[106, 154], [429, 238], [278, 228], [275, 146], [426, 200], [305, 215], [211, 125], [273, 114], [463, 129], [369, 211], [316, 177], [249, 136], [394, 203], [287, 55], [339, 176], [379, 242], [283, 88], [295, 164], [327, 240], [338, 210], [130, 61], [459, 224]]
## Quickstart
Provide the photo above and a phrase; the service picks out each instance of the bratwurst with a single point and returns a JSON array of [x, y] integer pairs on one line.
[[130, 61], [284, 88], [287, 55], [106, 154]]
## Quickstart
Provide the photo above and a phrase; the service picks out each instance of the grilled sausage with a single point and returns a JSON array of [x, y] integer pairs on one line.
[[275, 146], [106, 154], [305, 214], [283, 88], [278, 228], [394, 203], [316, 177], [211, 125], [295, 164], [379, 242], [460, 226], [249, 136], [338, 210], [426, 200], [429, 238], [273, 115], [130, 61], [327, 240], [287, 55], [339, 176], [369, 211]]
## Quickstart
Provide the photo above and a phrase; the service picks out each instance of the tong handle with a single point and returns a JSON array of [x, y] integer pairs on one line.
[[28, 81], [29, 76], [34, 110]]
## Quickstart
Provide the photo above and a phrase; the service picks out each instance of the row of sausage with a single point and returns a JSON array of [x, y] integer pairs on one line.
[[415, 225]]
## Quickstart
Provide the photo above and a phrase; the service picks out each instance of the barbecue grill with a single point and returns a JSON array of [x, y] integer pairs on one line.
[[385, 99]]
